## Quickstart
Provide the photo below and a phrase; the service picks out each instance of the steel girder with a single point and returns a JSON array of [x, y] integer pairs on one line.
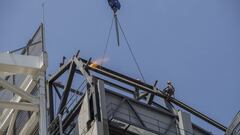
[[151, 90], [67, 88], [18, 91], [83, 67]]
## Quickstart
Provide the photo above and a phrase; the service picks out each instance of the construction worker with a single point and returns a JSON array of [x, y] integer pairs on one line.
[[115, 5], [169, 90]]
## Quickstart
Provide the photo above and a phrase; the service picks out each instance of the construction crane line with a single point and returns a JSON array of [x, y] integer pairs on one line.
[[131, 51], [107, 42]]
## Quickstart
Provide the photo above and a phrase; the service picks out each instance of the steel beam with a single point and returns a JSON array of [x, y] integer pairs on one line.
[[160, 109], [51, 104], [34, 68], [150, 96], [115, 85], [12, 122], [57, 91], [27, 85], [148, 88], [30, 125], [15, 63], [67, 88], [62, 69], [5, 78], [60, 124], [81, 68], [124, 89], [18, 91], [25, 47], [69, 117], [103, 106], [59, 95], [57, 84], [19, 106], [42, 105]]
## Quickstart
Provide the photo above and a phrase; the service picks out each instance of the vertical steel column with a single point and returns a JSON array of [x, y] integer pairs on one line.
[[42, 95], [103, 109], [96, 105], [51, 106], [50, 89], [43, 107]]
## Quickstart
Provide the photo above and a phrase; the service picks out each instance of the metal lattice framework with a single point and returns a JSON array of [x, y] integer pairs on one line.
[[139, 92], [22, 81]]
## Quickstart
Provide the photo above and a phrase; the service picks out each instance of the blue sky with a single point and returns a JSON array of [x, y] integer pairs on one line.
[[193, 43]]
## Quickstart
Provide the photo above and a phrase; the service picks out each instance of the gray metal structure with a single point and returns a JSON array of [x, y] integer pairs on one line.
[[112, 103], [22, 92], [83, 98]]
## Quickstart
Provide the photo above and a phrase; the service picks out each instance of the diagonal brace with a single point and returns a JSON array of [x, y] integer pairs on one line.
[[19, 91], [19, 106], [67, 88], [136, 114], [12, 122]]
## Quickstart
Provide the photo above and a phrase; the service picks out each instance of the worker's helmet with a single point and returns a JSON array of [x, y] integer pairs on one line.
[[169, 82]]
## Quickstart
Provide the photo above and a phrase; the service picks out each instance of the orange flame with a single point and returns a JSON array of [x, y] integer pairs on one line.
[[93, 65], [97, 62]]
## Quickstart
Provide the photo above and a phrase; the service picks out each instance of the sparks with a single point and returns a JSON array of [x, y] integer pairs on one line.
[[97, 62]]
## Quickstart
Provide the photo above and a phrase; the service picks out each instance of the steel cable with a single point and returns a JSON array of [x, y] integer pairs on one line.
[[106, 46], [131, 51]]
